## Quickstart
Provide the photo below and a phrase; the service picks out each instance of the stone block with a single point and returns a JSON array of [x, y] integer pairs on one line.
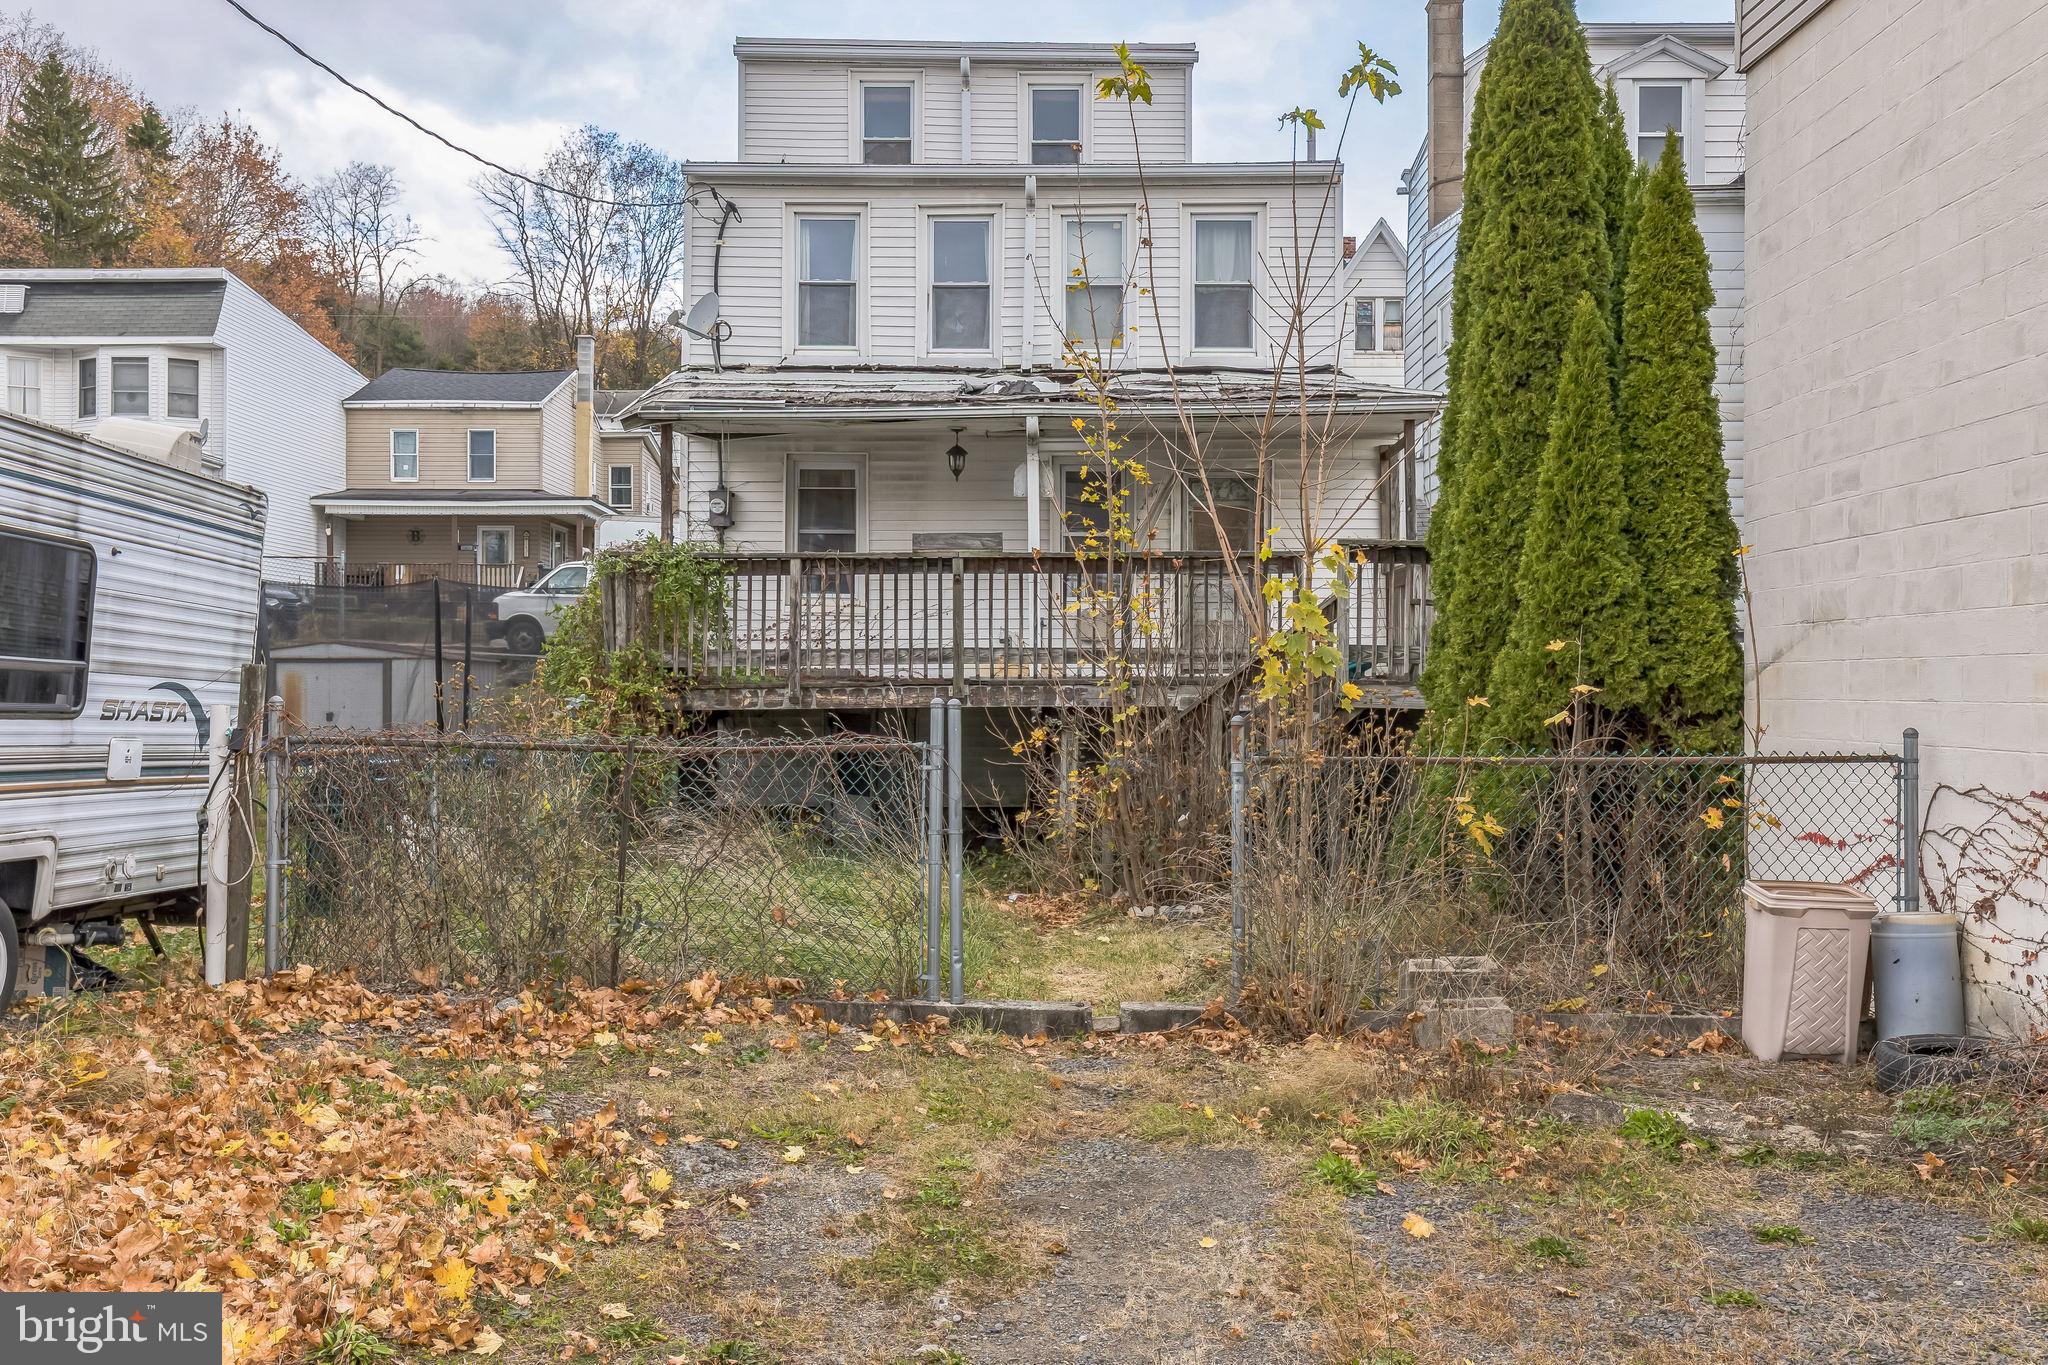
[[1158, 1016], [1475, 1019], [1447, 978]]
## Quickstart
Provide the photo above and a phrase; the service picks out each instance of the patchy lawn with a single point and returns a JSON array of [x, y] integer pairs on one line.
[[717, 1177]]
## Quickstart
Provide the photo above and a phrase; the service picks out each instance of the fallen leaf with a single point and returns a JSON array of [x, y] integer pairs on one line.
[[1207, 1242], [1415, 1225], [455, 1276]]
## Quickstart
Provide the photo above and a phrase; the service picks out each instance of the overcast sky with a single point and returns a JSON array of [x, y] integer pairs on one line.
[[507, 77]]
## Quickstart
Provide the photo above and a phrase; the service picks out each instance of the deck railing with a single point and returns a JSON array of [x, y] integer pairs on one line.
[[323, 572], [1019, 623]]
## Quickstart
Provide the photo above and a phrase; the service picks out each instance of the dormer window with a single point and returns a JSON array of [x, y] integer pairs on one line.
[[1055, 125], [885, 119], [1659, 108]]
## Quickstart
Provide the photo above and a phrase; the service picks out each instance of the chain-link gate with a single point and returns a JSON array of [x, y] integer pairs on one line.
[[503, 861]]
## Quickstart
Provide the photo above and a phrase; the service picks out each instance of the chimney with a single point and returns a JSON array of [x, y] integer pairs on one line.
[[1446, 108], [1350, 246], [586, 417], [1311, 144]]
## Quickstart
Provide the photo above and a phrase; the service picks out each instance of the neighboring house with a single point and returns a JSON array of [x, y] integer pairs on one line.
[[884, 434], [1372, 295], [1898, 425], [628, 458], [1677, 75], [191, 350], [483, 478]]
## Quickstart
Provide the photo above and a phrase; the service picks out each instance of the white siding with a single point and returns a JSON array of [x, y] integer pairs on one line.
[[284, 430], [558, 453], [757, 274], [1898, 423], [807, 112], [1377, 273]]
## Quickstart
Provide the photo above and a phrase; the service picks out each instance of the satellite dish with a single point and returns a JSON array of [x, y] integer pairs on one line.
[[703, 319], [205, 427]]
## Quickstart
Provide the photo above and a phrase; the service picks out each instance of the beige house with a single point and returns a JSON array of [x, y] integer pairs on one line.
[[484, 478], [1897, 464]]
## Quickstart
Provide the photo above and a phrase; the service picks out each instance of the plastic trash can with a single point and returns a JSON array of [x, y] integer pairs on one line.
[[1805, 946], [1916, 965]]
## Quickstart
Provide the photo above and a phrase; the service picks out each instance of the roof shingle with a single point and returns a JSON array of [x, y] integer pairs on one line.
[[116, 308], [459, 386]]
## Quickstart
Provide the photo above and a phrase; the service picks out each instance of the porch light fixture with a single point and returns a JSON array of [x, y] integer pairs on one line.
[[956, 458]]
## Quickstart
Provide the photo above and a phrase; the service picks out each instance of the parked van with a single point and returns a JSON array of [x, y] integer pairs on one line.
[[129, 592]]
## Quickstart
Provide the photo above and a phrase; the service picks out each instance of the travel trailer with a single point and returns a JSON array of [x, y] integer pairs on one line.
[[129, 592]]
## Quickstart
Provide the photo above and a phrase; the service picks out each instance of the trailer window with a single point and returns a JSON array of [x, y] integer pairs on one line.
[[45, 624]]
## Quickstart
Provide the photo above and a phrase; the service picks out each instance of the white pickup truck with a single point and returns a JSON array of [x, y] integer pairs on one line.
[[525, 618]]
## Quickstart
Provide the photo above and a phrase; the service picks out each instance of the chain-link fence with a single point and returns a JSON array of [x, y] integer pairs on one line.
[[1611, 879], [505, 862]]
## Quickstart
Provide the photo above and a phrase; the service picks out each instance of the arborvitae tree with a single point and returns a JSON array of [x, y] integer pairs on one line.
[[58, 172], [1679, 522], [1579, 615], [1617, 176], [1533, 240]]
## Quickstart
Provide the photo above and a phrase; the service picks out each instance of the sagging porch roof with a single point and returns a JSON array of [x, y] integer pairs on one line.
[[696, 393]]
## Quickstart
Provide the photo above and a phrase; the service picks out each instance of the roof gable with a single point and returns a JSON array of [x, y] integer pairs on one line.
[[1665, 45]]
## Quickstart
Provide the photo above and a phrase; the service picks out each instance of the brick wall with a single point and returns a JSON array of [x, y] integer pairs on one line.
[[1897, 366]]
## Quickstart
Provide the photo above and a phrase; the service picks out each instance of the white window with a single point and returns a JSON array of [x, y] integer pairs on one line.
[[1095, 281], [25, 386], [1055, 125], [1659, 108], [405, 456], [494, 545], [131, 386], [827, 511], [622, 485], [483, 456], [45, 624], [88, 388], [181, 394], [1390, 324], [825, 284], [960, 284], [1236, 508], [1223, 284], [1365, 334], [885, 117]]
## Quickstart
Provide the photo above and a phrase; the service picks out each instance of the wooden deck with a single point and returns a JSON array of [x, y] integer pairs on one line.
[[876, 631]]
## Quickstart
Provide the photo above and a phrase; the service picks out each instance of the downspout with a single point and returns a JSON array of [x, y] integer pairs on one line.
[[966, 111], [1030, 270]]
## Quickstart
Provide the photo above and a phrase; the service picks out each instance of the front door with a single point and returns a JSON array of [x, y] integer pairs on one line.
[[558, 544]]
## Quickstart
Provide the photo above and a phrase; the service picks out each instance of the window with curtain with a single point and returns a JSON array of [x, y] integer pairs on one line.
[[405, 455], [131, 387], [1659, 108], [182, 389], [88, 388], [1055, 125], [1364, 326], [1095, 281], [483, 456], [885, 113], [25, 386], [825, 281], [494, 545], [1223, 284], [1390, 324], [960, 284]]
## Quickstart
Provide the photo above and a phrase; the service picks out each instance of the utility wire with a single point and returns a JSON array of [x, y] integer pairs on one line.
[[687, 200]]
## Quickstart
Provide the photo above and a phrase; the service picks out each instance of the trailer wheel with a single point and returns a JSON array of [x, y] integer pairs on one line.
[[10, 956]]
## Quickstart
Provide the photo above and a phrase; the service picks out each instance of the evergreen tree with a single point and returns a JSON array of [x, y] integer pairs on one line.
[[57, 171], [1679, 523], [1617, 179], [149, 136], [1579, 611], [1533, 239]]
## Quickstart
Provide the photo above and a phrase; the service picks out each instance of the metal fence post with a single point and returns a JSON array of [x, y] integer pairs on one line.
[[1237, 920], [953, 847], [1909, 822], [934, 853], [273, 836]]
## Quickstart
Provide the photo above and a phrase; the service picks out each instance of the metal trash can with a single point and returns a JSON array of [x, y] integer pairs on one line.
[[1805, 947], [1916, 964]]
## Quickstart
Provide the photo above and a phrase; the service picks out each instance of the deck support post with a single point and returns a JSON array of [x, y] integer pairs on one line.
[[795, 615], [959, 627]]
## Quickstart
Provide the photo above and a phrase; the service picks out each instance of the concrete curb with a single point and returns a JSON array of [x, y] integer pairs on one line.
[[1017, 1018]]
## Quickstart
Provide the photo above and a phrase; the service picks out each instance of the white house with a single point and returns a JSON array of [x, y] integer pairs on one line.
[[195, 350], [1898, 424], [1372, 299], [1672, 75], [878, 413]]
